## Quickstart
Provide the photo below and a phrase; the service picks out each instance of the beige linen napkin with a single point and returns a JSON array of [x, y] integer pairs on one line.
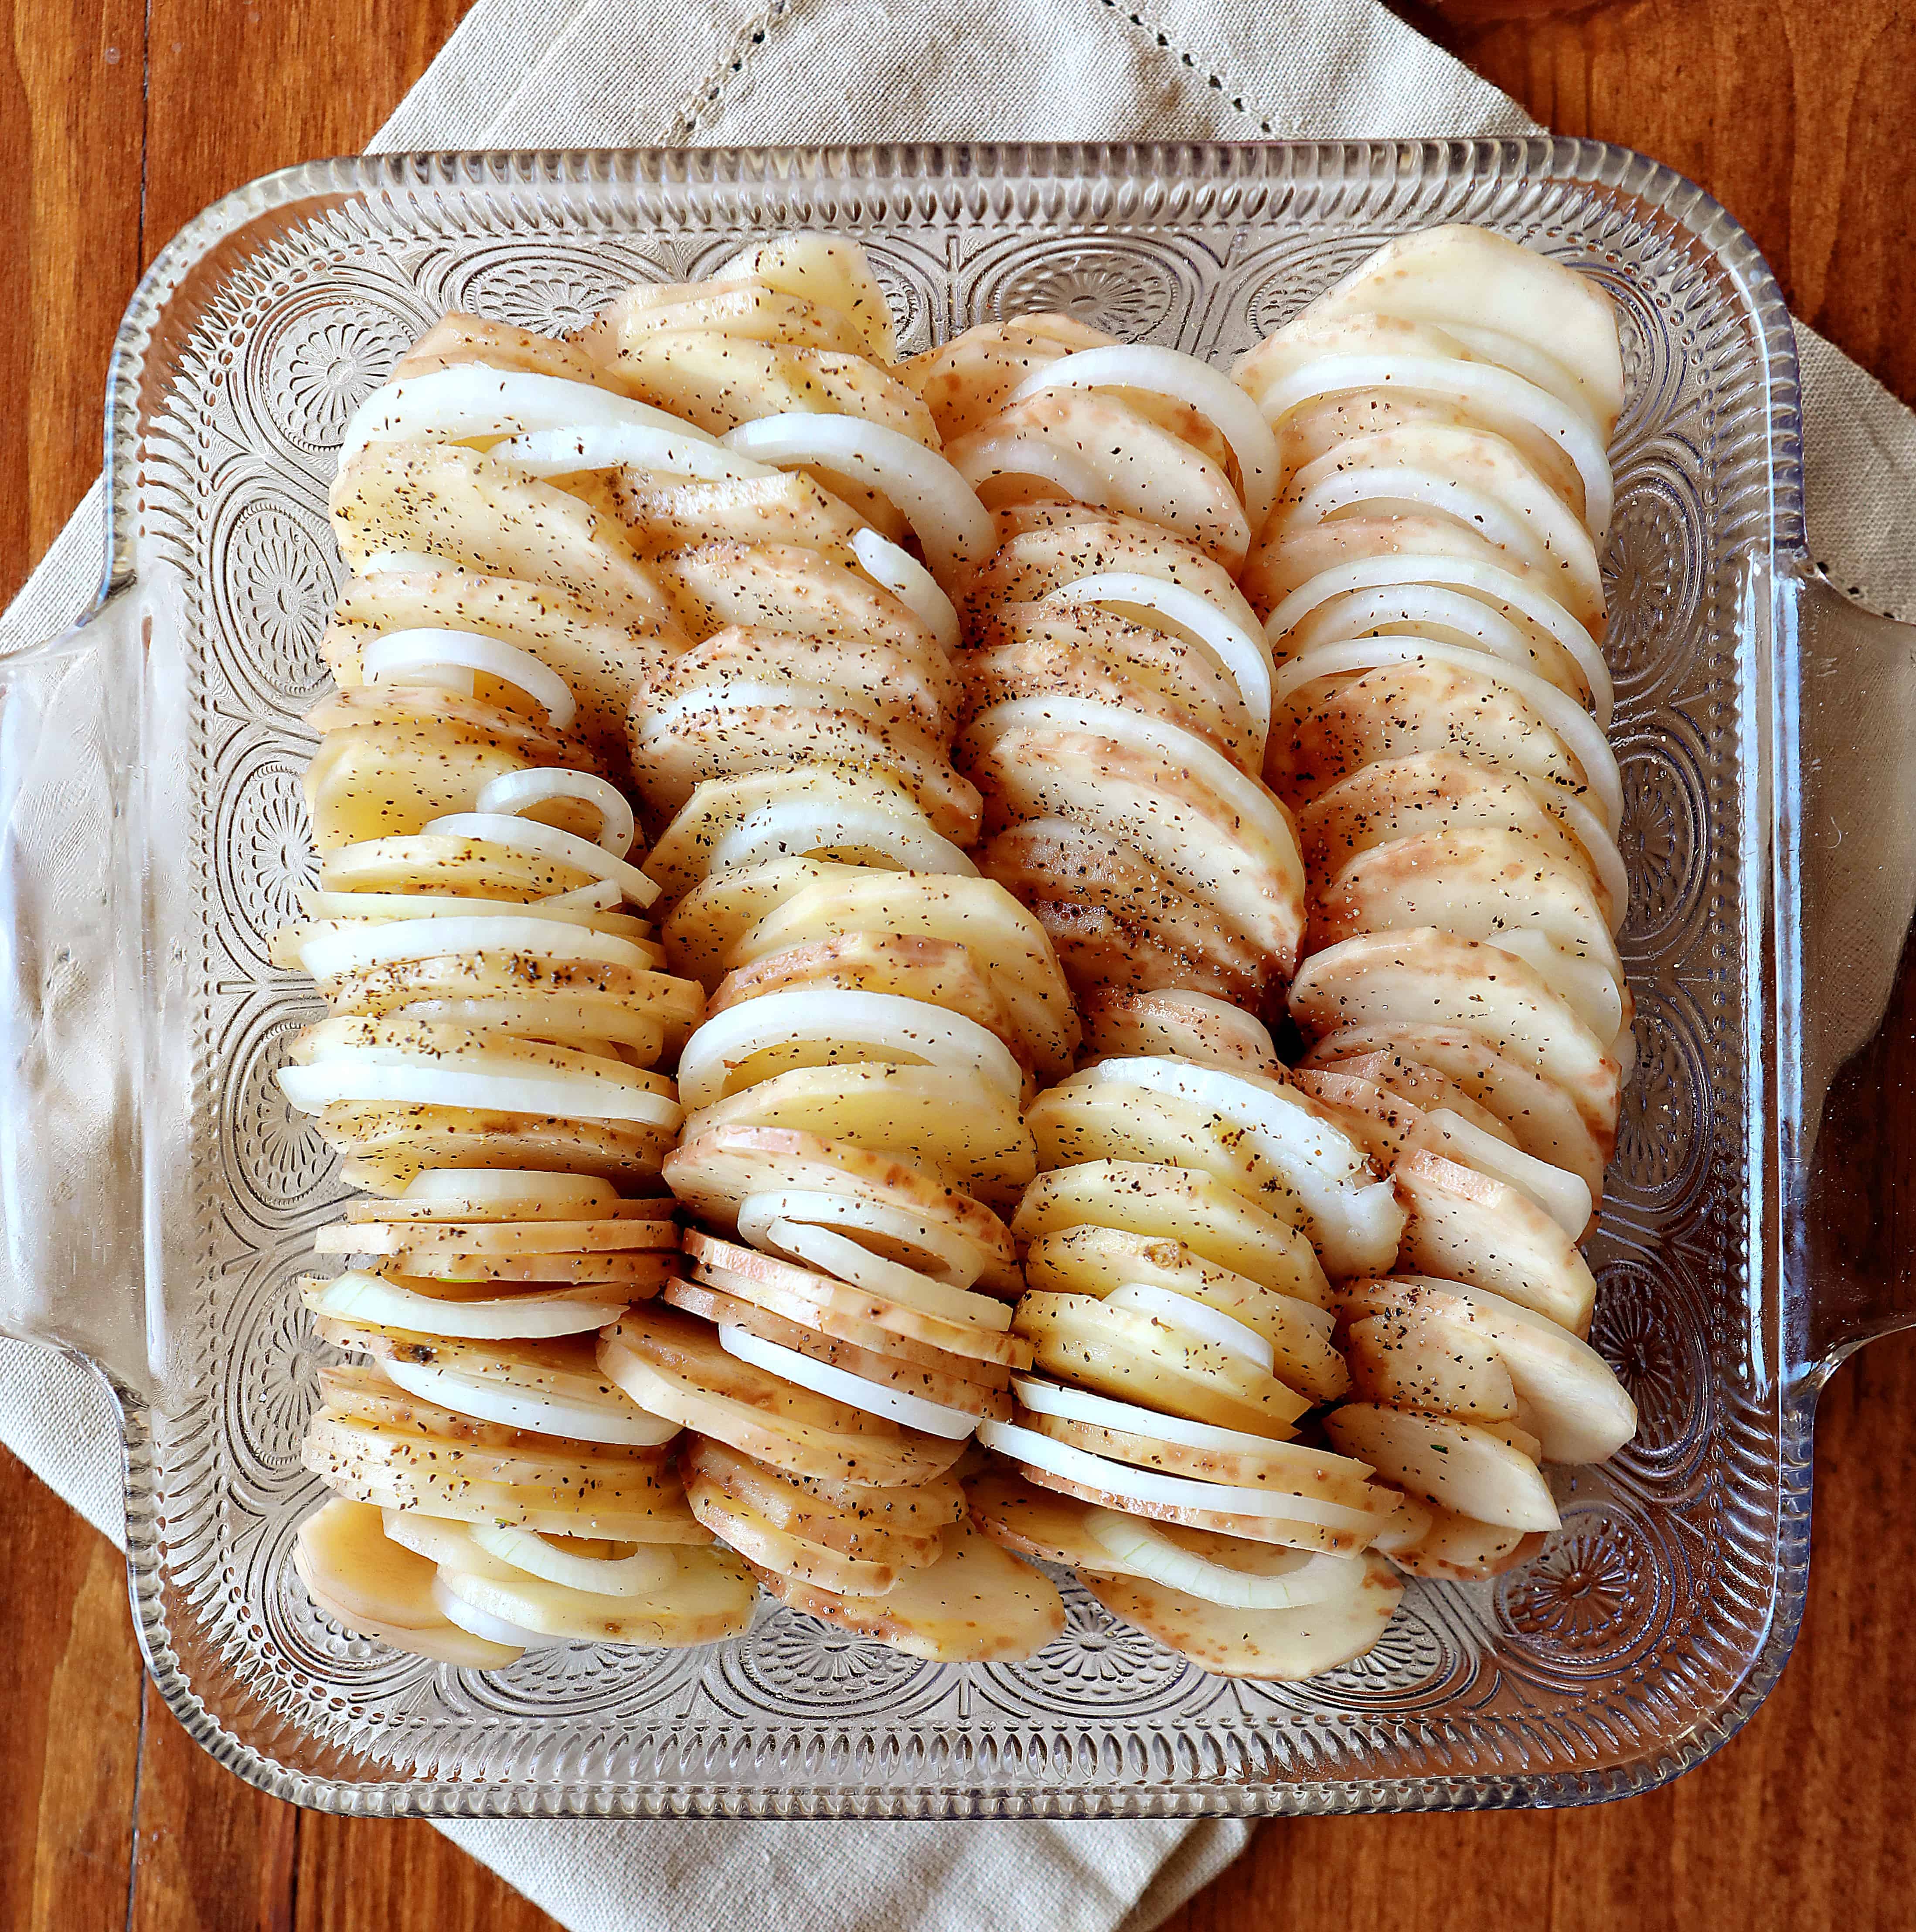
[[619, 72]]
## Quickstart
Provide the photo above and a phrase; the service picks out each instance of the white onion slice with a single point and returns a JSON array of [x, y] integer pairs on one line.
[[1103, 1411], [356, 1296], [682, 451], [1581, 735], [954, 527], [516, 793], [1598, 844], [912, 1412], [485, 1400], [956, 1260], [802, 826], [1147, 1486], [548, 842], [484, 1624], [431, 648], [519, 1188], [354, 947], [1564, 1197], [1468, 384], [602, 895], [649, 1570], [1245, 655], [471, 399], [1496, 584], [375, 1073], [1318, 1578], [1169, 372], [841, 1257], [888, 1022], [1196, 1318], [908, 580]]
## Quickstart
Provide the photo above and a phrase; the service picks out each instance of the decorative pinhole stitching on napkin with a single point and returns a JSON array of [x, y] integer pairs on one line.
[[706, 98], [1232, 93]]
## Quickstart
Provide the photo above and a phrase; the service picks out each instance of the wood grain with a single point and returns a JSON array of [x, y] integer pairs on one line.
[[118, 121]]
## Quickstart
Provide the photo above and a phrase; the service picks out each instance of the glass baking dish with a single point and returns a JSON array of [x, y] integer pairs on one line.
[[159, 1199]]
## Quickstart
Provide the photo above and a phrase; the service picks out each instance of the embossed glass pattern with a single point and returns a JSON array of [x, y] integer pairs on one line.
[[1655, 1620]]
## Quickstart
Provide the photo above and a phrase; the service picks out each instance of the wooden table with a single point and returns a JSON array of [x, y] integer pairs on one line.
[[119, 119]]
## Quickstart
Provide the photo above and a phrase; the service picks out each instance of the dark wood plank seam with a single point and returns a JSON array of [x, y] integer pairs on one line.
[[139, 1780]]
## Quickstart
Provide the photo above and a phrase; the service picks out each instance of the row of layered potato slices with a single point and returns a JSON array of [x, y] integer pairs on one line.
[[1014, 729]]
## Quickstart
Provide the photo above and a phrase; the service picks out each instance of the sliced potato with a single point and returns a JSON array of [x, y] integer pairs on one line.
[[898, 1526], [386, 1146], [1295, 1468], [1404, 1361], [1456, 1549], [975, 1605], [1459, 1466], [1194, 1026], [768, 1546], [1263, 1644]]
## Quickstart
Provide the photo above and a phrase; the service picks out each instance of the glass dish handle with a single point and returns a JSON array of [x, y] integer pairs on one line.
[[73, 990], [1846, 729]]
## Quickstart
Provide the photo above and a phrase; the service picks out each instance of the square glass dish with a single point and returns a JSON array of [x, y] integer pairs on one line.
[[159, 1199]]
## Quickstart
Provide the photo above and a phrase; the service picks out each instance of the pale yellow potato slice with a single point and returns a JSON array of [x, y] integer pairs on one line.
[[387, 1146], [439, 861], [1407, 1079], [1297, 1469], [768, 1546], [457, 337], [899, 1526], [372, 781], [672, 1365], [1428, 978], [1570, 1395], [372, 1586], [710, 1599], [365, 1234], [701, 932], [1038, 1523], [1267, 1644], [633, 1277], [975, 1605], [832, 271], [600, 659], [1456, 1549], [486, 515], [1464, 1467], [943, 1383], [1098, 1262], [1169, 1020], [1329, 729], [939, 1118], [1115, 920], [968, 380], [1096, 449], [1135, 1357], [1467, 1226], [748, 309], [663, 512], [1403, 1361], [1210, 1216], [712, 1172]]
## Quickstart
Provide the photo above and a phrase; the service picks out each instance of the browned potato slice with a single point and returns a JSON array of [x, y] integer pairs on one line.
[[943, 1383], [454, 503], [1284, 1645], [1135, 1357], [672, 1365], [975, 1605]]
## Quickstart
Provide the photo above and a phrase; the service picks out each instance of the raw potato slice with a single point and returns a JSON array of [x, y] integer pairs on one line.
[[899, 1527], [454, 503], [712, 1172], [1402, 1360], [710, 1599], [1459, 1466], [1038, 1523], [387, 1145], [1466, 1226], [837, 1307], [429, 862], [372, 781], [1407, 1079], [602, 661], [373, 1587], [1571, 1397], [1269, 1645], [1155, 1201], [673, 1365], [1101, 1261], [976, 912], [665, 513], [767, 1546], [1098, 450], [458, 338], [375, 1233], [1456, 1549], [1426, 977], [970, 379], [410, 1305], [942, 1385], [975, 1605], [1169, 1022], [1141, 1357]]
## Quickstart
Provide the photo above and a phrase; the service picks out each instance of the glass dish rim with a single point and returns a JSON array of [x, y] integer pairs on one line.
[[1617, 169]]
